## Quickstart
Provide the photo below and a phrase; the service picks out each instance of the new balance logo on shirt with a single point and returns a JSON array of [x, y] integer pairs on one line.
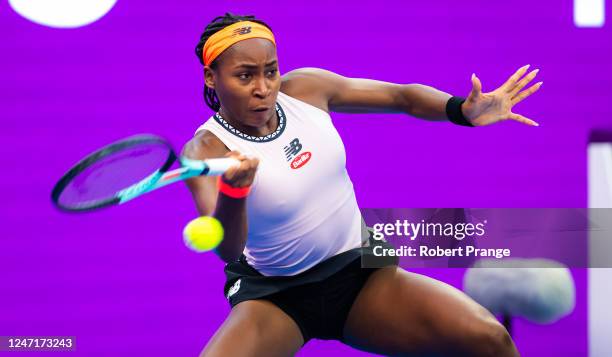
[[291, 152], [293, 148]]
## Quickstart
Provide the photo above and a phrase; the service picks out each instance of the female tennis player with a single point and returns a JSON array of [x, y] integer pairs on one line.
[[292, 225]]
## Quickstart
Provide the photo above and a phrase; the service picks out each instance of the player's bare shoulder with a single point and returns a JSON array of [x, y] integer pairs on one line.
[[310, 85], [204, 145]]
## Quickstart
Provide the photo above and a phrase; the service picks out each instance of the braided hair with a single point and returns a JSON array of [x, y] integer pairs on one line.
[[218, 23]]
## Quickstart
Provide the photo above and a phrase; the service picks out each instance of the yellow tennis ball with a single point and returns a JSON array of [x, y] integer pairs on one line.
[[203, 234]]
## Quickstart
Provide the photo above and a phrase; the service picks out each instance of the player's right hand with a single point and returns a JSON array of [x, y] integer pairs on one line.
[[241, 175]]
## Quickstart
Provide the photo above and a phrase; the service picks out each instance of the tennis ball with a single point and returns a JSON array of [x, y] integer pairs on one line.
[[203, 234]]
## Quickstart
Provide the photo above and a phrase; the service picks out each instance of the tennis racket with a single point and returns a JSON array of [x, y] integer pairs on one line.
[[126, 169]]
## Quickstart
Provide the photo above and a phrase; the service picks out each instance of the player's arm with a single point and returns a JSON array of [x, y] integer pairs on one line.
[[332, 92], [231, 212]]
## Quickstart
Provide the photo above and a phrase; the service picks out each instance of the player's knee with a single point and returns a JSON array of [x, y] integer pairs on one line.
[[490, 339]]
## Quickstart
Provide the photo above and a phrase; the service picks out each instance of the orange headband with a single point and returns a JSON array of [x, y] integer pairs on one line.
[[223, 39]]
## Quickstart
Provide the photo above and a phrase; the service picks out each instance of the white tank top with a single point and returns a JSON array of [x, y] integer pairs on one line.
[[302, 207]]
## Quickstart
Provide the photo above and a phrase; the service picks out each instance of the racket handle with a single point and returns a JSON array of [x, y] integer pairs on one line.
[[209, 167], [217, 167]]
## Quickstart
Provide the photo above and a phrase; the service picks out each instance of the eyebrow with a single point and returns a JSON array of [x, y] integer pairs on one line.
[[250, 65]]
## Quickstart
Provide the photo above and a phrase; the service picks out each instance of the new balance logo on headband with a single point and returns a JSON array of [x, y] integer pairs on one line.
[[241, 31]]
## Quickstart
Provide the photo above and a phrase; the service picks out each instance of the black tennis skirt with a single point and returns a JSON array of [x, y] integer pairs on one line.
[[318, 299]]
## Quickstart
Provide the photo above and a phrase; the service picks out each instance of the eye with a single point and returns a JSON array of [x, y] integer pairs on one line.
[[272, 72], [244, 76]]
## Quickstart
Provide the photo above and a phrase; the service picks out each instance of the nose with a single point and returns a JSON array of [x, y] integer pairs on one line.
[[261, 87]]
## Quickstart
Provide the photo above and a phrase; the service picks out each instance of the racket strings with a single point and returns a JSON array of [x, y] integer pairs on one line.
[[103, 177]]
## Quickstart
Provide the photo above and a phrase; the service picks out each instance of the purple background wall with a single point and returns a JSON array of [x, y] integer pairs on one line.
[[122, 281]]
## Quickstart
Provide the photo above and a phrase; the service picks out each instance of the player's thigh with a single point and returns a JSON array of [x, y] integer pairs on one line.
[[255, 328], [399, 313]]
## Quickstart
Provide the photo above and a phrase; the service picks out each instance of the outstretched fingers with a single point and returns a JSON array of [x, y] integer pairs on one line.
[[523, 82], [526, 93], [522, 119], [512, 81]]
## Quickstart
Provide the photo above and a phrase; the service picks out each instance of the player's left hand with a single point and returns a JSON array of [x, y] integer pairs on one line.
[[488, 108]]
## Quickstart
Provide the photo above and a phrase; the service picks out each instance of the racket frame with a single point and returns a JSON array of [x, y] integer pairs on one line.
[[160, 178]]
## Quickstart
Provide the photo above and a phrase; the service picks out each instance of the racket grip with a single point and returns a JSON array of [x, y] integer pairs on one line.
[[217, 167]]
